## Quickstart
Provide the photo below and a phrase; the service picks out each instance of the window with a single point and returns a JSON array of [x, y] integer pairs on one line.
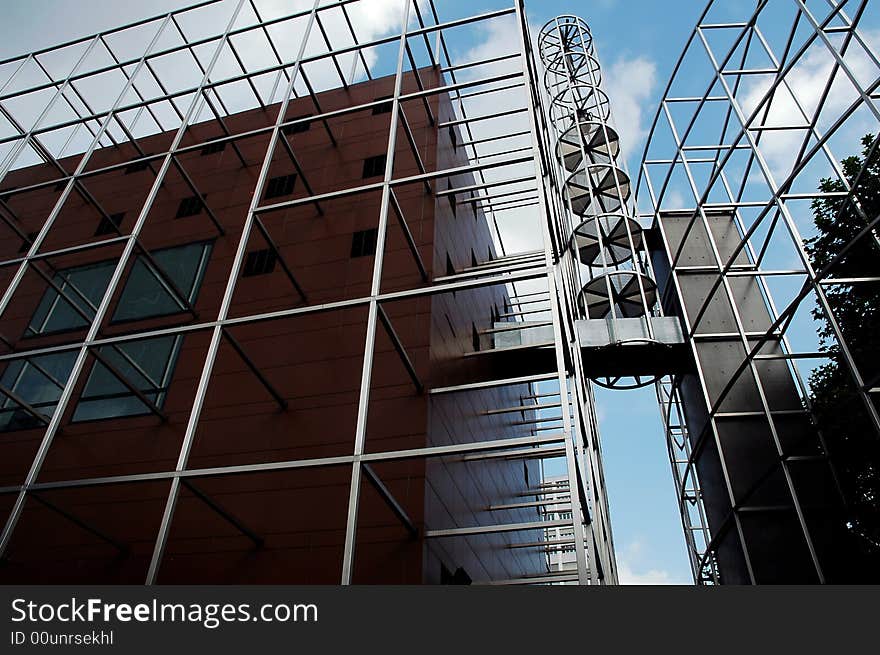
[[375, 166], [212, 148], [83, 285], [109, 224], [280, 186], [383, 108], [137, 166], [189, 207], [259, 262], [146, 365], [453, 137], [38, 381], [298, 128], [363, 243], [146, 293]]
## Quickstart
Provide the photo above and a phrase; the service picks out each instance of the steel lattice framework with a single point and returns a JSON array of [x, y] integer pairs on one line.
[[69, 115], [759, 108], [609, 271]]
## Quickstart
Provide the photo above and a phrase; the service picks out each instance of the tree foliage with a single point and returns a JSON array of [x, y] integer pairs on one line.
[[846, 247]]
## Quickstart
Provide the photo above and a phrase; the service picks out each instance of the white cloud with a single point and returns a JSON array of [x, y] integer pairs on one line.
[[630, 84], [627, 576], [631, 569], [807, 81]]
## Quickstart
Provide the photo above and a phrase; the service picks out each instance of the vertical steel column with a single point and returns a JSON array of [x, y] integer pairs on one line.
[[217, 333], [372, 317]]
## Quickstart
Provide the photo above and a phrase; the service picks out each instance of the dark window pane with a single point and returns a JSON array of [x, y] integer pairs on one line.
[[383, 108], [259, 262], [189, 207], [374, 166], [280, 186], [212, 148], [146, 294], [147, 365], [109, 225], [363, 243], [298, 128], [83, 285], [38, 382], [137, 166]]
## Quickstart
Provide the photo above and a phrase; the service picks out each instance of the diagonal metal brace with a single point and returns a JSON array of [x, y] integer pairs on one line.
[[389, 498]]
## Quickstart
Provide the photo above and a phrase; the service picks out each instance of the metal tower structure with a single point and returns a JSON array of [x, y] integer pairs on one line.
[[773, 435], [606, 261]]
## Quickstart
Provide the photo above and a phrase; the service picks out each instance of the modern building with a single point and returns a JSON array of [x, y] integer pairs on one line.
[[262, 321], [272, 344]]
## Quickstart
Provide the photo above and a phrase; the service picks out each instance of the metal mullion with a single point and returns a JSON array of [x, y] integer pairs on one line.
[[321, 114], [114, 30], [482, 62], [410, 241], [401, 350], [421, 21], [420, 85], [254, 369], [360, 52], [433, 175], [275, 249], [67, 100], [119, 375], [737, 318], [223, 127], [122, 548], [139, 95], [62, 251], [461, 97], [495, 138], [299, 169], [201, 196], [224, 513], [237, 469], [373, 313], [484, 117], [396, 508], [470, 283], [24, 140], [744, 132], [487, 185], [21, 402], [167, 51], [216, 336], [164, 279], [168, 97], [583, 574], [414, 147], [330, 50]]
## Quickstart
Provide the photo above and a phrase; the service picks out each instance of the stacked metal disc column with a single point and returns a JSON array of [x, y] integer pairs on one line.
[[606, 241]]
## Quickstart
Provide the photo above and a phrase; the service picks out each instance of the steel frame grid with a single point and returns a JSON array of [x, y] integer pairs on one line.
[[507, 270], [772, 208]]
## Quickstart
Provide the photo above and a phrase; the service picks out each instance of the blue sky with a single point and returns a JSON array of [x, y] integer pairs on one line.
[[638, 42]]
